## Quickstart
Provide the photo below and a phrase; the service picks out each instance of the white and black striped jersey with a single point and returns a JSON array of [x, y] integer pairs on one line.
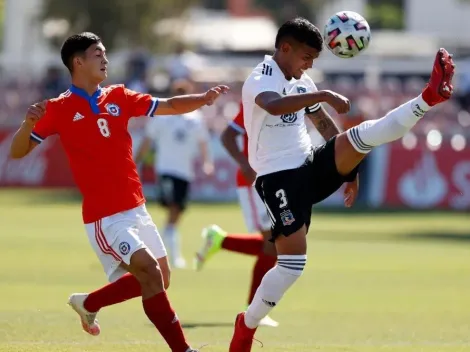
[[275, 143]]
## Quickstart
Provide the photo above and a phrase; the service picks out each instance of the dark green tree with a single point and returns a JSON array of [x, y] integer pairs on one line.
[[124, 22], [283, 10], [385, 14]]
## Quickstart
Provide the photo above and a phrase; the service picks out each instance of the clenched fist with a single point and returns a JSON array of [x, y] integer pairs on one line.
[[35, 112], [338, 102]]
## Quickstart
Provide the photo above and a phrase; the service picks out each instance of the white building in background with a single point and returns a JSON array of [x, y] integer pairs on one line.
[[447, 19], [428, 24], [24, 42]]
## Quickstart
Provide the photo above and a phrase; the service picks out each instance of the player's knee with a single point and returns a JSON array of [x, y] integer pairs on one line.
[[293, 244], [175, 211], [150, 276], [166, 283], [166, 271], [166, 279], [152, 279]]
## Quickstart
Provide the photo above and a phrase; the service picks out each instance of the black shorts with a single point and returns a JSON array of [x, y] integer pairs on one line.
[[173, 191], [290, 194]]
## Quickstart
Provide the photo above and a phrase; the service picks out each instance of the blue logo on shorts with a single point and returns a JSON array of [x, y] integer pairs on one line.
[[124, 248], [287, 217]]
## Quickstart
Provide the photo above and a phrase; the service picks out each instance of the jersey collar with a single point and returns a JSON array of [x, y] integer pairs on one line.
[[92, 100]]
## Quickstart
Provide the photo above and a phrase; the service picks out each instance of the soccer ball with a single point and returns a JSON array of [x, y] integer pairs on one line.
[[346, 34]]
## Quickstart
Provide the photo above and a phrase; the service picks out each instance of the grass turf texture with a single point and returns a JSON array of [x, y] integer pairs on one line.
[[373, 282]]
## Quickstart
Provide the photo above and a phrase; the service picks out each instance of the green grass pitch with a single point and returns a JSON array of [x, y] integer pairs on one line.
[[373, 282]]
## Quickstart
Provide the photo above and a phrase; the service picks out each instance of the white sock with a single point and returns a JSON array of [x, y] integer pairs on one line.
[[389, 128], [172, 241], [273, 286]]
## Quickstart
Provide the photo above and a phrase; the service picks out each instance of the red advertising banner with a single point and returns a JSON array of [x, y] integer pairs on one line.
[[420, 178], [416, 178], [46, 166]]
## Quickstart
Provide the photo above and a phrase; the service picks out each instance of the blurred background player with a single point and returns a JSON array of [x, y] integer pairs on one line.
[[177, 140]]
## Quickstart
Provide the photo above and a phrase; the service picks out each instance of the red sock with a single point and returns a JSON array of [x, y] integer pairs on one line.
[[245, 244], [162, 315], [125, 288], [263, 265]]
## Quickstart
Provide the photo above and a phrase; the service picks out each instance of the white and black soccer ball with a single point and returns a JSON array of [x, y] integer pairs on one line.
[[346, 34]]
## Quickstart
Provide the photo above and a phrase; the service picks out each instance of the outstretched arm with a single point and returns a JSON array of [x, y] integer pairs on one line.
[[186, 103], [276, 104], [143, 149], [229, 141]]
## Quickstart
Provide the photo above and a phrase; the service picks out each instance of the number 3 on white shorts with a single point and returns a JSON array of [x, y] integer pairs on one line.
[[281, 194], [103, 126]]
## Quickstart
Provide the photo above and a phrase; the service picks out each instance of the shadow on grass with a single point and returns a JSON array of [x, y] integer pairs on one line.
[[447, 237], [360, 209], [197, 325], [382, 237]]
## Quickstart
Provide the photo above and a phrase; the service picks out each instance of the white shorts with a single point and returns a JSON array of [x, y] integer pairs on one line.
[[115, 238], [254, 210]]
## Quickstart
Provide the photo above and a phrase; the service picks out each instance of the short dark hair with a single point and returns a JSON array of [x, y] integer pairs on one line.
[[301, 30], [76, 45]]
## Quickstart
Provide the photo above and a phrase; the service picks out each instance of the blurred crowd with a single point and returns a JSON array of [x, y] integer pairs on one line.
[[368, 101]]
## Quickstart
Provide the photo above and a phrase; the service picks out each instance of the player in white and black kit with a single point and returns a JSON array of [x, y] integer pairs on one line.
[[177, 140], [293, 175]]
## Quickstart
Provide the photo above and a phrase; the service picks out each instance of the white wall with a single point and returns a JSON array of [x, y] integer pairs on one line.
[[448, 19], [24, 43]]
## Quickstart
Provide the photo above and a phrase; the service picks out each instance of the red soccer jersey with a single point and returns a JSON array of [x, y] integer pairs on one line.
[[93, 132], [239, 125]]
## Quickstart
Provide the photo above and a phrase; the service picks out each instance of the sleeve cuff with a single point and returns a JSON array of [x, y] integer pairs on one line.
[[153, 107], [237, 128], [35, 137], [313, 108]]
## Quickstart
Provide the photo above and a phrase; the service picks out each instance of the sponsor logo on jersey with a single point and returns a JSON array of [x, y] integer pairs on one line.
[[78, 116], [289, 118]]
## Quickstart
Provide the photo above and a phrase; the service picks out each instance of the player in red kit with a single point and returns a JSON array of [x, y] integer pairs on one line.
[[91, 122]]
